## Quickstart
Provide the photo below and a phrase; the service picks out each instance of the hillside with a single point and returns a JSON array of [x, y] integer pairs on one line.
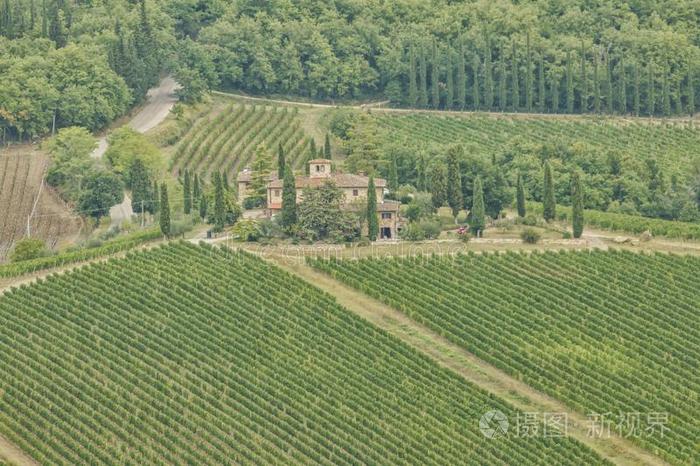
[[175, 365], [23, 195]]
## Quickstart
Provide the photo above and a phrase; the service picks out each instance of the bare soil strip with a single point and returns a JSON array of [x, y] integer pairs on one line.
[[616, 449], [15, 456]]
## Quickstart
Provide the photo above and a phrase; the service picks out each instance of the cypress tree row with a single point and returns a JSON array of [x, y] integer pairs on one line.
[[196, 192], [555, 91], [476, 91], [461, 81], [164, 211], [514, 81], [502, 89], [203, 207], [477, 214], [520, 196], [412, 85], [438, 185], [608, 86], [691, 93], [141, 193], [577, 204], [636, 104], [569, 84], [450, 97], [596, 84], [549, 203], [622, 83], [435, 77], [666, 94], [187, 193], [454, 180], [529, 91], [488, 78], [156, 196], [541, 97], [583, 93], [372, 220], [650, 90]]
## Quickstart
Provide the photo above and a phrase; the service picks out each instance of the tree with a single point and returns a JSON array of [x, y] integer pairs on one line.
[[141, 194], [187, 193], [372, 220], [636, 104], [529, 87], [488, 78], [584, 82], [126, 145], [690, 93], [454, 181], [541, 97], [28, 249], [320, 214], [393, 178], [70, 153], [438, 184], [608, 85], [288, 216], [155, 197], [203, 207], [549, 203], [327, 147], [514, 84], [164, 220], [219, 219], [650, 90], [622, 80], [502, 87], [281, 161], [461, 83], [435, 78], [476, 88], [554, 90], [477, 214], [196, 192], [520, 196], [596, 84], [450, 96], [101, 191], [569, 84], [261, 172], [412, 86], [577, 204], [423, 80], [666, 93]]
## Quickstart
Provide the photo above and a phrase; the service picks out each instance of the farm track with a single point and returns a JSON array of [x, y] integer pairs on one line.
[[15, 456], [616, 449]]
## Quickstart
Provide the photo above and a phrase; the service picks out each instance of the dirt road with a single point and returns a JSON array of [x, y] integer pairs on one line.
[[159, 102]]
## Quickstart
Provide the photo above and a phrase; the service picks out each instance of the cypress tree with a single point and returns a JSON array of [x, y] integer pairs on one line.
[[549, 204], [622, 91], [636, 104], [423, 80], [327, 147], [435, 78], [475, 83], [156, 197], [164, 211], [569, 84], [219, 206], [281, 161], [541, 97], [678, 104], [438, 185], [608, 85], [289, 199], [412, 85], [584, 82], [529, 86], [224, 182], [650, 90], [690, 92], [555, 91], [520, 196], [203, 207], [454, 181], [187, 193], [450, 97], [461, 81], [596, 84], [421, 173], [140, 187], [514, 81], [372, 221], [477, 214], [393, 178], [577, 204], [502, 86], [488, 78], [45, 26], [196, 192], [666, 93]]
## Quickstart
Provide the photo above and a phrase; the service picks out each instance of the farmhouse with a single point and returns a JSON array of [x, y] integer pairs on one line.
[[320, 171]]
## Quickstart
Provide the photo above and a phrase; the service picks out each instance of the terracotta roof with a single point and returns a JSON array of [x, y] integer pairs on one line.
[[319, 161], [247, 176], [389, 206], [342, 180]]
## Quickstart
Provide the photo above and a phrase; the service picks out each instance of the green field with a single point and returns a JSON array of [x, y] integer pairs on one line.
[[192, 355], [225, 139], [673, 143], [605, 332]]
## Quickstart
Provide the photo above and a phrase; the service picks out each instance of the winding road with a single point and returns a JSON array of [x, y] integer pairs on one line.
[[160, 101]]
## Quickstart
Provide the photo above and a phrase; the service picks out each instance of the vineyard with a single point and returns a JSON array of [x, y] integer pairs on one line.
[[189, 354], [672, 143], [226, 138], [606, 332], [21, 178]]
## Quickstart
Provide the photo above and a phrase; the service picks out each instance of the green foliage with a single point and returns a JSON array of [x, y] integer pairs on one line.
[[454, 179], [164, 211], [219, 213], [280, 162], [520, 196], [320, 215], [438, 184], [187, 193], [477, 214], [327, 147], [372, 216], [548, 196], [610, 309], [101, 191], [577, 204], [126, 145], [70, 153], [28, 249], [288, 216], [142, 194], [530, 236]]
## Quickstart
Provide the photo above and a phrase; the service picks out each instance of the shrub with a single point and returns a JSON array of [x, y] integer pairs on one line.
[[27, 249], [530, 236], [566, 234], [253, 202]]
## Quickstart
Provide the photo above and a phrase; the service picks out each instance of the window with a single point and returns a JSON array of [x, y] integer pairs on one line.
[[320, 168], [386, 215], [277, 193], [355, 192]]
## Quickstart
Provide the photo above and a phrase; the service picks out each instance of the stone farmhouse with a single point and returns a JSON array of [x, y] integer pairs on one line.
[[320, 171]]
